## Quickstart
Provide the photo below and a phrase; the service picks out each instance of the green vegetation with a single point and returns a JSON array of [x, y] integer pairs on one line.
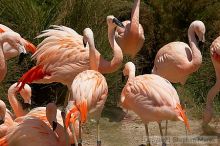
[[163, 21]]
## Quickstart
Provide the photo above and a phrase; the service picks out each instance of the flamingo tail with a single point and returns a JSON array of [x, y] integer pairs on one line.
[[83, 110], [183, 115], [71, 116], [35, 73]]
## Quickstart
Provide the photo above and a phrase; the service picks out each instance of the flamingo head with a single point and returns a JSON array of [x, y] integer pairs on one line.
[[26, 95], [200, 30], [114, 22], [128, 67], [87, 35], [2, 112], [51, 113]]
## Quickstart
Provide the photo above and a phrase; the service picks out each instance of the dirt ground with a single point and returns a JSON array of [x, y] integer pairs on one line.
[[119, 131]]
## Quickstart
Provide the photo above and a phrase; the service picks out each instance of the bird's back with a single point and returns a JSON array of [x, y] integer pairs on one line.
[[145, 93], [172, 60], [62, 54], [92, 86]]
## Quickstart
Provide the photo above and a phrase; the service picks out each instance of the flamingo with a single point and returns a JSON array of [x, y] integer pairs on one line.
[[131, 38], [11, 52], [89, 88], [39, 112], [40, 134], [6, 119], [15, 104], [152, 98], [61, 56], [214, 51], [176, 60]]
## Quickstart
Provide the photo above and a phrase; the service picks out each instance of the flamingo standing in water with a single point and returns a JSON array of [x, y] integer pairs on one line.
[[6, 119], [39, 112], [176, 60], [215, 56], [35, 132], [11, 52], [131, 38], [152, 98]]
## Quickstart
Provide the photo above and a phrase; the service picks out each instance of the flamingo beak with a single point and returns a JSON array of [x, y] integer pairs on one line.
[[1, 120], [84, 43], [27, 106], [118, 23], [21, 58], [54, 125], [30, 47]]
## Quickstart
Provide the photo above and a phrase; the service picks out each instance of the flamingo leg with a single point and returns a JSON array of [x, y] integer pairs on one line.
[[161, 133], [74, 134], [63, 115], [208, 113], [98, 134], [80, 134], [166, 128], [147, 134]]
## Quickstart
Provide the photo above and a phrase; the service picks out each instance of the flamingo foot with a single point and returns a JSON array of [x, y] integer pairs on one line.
[[98, 143]]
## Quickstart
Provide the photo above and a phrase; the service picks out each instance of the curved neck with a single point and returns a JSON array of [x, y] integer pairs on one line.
[[135, 16], [93, 54], [3, 66], [131, 73], [15, 104], [115, 63], [196, 54]]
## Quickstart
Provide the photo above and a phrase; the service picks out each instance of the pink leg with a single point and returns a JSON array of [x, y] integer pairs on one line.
[[208, 113]]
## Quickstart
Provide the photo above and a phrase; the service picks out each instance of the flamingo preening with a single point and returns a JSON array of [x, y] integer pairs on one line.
[[215, 57], [11, 51], [35, 132], [152, 98], [131, 37]]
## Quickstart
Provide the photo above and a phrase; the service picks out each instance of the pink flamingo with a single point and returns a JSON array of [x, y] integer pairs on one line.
[[89, 88], [176, 60], [152, 98], [11, 52], [214, 51], [39, 112], [6, 119], [40, 134], [61, 56], [131, 38]]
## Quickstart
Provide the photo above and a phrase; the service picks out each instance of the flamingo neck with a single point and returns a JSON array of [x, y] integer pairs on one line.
[[93, 54], [3, 66], [115, 63], [61, 134], [131, 73], [15, 104], [196, 54], [135, 17]]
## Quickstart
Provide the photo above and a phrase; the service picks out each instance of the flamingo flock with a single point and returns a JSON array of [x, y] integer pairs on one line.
[[72, 59]]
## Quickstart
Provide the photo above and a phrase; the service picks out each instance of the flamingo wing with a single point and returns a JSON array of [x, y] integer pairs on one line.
[[215, 49]]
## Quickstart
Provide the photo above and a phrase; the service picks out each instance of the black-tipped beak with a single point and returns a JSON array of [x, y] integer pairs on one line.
[[27, 106], [201, 44], [1, 122], [84, 43], [122, 77], [21, 58], [118, 23], [54, 126]]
